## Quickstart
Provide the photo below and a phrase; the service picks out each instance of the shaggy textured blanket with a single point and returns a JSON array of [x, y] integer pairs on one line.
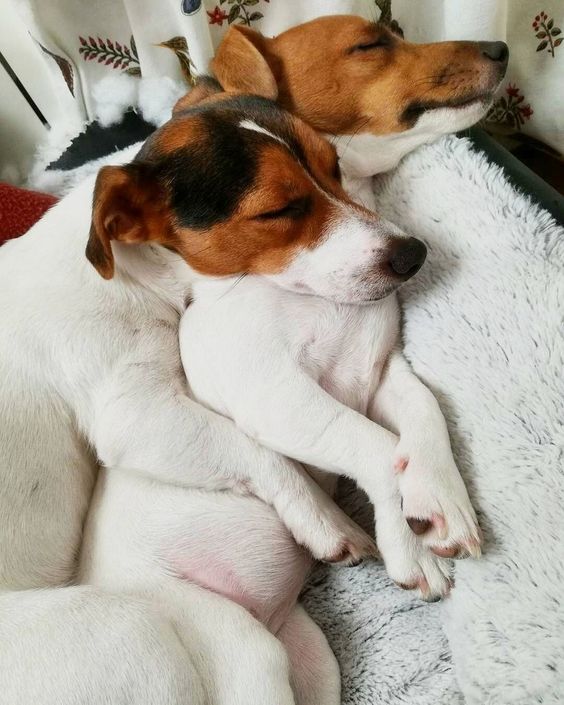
[[483, 328]]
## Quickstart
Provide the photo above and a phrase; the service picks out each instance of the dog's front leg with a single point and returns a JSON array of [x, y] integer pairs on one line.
[[145, 421], [434, 497]]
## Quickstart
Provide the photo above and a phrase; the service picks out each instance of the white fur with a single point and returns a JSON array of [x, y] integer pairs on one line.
[[113, 96], [252, 125], [363, 155], [91, 368]]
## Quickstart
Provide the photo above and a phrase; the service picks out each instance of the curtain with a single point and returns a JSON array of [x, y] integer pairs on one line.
[[81, 41]]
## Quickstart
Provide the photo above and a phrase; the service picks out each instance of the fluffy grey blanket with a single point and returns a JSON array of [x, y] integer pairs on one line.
[[484, 329]]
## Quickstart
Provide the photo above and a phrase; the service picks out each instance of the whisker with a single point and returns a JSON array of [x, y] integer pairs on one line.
[[239, 279], [362, 124]]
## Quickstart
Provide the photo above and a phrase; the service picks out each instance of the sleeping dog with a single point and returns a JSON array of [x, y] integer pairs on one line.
[[301, 353], [377, 95], [92, 365]]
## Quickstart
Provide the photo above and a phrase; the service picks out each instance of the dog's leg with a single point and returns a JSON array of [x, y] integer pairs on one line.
[[69, 646], [315, 675], [408, 562], [145, 423], [435, 500], [240, 662]]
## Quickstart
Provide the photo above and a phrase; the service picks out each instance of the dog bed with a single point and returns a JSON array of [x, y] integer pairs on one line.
[[483, 328]]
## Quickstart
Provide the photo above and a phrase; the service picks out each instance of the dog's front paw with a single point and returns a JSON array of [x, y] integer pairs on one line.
[[436, 505], [409, 563], [335, 538], [354, 545]]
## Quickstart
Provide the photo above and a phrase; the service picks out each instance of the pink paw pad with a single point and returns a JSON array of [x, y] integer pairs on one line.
[[401, 464]]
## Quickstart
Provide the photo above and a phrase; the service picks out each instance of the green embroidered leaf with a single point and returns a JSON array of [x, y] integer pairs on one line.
[[133, 71], [556, 31], [540, 35], [256, 16], [503, 102], [251, 2], [234, 13], [558, 42], [133, 47], [550, 23], [542, 45]]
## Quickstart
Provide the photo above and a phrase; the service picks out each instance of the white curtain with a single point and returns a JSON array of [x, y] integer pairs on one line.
[[81, 41]]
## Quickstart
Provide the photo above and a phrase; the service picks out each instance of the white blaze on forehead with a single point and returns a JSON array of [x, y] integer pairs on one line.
[[250, 125]]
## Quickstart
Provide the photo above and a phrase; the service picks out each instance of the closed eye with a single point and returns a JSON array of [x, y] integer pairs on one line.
[[294, 209], [383, 41]]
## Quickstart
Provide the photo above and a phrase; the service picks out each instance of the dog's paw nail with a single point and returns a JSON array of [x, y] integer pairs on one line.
[[474, 549], [407, 586], [440, 525], [419, 526]]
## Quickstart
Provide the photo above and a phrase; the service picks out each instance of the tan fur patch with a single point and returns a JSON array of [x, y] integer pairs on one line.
[[325, 78]]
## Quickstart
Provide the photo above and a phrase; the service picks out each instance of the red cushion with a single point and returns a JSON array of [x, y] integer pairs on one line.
[[20, 209]]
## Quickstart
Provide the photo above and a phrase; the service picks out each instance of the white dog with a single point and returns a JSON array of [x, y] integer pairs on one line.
[[268, 350], [90, 368]]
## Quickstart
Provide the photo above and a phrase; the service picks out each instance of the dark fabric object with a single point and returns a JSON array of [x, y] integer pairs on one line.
[[97, 141]]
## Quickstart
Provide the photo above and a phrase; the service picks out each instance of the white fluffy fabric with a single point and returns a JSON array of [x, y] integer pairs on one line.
[[484, 329], [153, 98]]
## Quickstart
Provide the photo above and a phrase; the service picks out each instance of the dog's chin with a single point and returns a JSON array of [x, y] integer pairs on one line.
[[456, 116], [362, 295]]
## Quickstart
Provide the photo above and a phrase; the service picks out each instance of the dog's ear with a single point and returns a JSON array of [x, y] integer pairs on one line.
[[204, 88], [127, 207], [242, 63]]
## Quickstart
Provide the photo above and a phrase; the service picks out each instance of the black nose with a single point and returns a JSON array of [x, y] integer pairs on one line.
[[496, 51], [406, 256]]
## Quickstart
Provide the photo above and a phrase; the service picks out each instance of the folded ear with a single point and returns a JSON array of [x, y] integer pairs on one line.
[[241, 63], [127, 207], [205, 87]]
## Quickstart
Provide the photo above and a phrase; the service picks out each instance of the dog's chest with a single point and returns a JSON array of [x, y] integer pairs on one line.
[[343, 347]]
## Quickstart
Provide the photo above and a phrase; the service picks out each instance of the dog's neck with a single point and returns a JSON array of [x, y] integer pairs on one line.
[[156, 269], [363, 156]]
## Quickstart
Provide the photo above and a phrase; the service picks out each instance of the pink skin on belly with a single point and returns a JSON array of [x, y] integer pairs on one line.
[[247, 556]]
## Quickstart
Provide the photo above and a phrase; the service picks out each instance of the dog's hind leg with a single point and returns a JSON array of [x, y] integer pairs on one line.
[[315, 675], [75, 645]]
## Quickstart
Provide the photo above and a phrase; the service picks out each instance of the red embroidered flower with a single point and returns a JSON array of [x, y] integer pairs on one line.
[[526, 111], [512, 90], [217, 15]]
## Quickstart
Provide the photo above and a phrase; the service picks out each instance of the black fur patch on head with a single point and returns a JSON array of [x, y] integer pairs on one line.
[[207, 180]]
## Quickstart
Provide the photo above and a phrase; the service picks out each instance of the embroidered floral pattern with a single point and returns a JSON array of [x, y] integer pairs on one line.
[[510, 110], [238, 13], [180, 47], [64, 65], [190, 7], [111, 53], [385, 18], [217, 16], [546, 31]]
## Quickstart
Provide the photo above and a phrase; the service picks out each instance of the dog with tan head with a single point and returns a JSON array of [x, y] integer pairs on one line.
[[346, 76]]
